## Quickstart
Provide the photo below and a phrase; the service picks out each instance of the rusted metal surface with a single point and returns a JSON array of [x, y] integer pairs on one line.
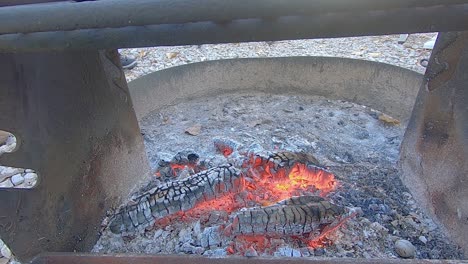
[[321, 25], [445, 60], [131, 259], [122, 13], [75, 125], [434, 154]]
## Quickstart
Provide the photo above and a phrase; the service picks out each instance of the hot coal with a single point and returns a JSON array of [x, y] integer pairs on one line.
[[175, 196]]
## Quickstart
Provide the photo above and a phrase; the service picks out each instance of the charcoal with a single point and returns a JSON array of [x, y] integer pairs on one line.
[[294, 216], [175, 196]]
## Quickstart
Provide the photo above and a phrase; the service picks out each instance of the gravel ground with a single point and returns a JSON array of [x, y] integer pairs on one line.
[[380, 48], [377, 48]]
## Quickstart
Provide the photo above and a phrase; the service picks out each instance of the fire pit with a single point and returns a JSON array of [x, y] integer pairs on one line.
[[283, 173], [75, 125]]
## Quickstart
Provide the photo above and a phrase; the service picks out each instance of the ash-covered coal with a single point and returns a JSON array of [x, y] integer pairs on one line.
[[346, 140], [175, 196], [295, 216]]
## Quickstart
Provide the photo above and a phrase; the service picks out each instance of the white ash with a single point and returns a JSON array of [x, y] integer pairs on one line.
[[359, 149], [375, 48]]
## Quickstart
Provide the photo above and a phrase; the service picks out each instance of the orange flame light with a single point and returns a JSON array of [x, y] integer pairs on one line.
[[261, 186]]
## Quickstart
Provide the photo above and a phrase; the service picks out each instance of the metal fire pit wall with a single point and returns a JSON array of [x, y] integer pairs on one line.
[[73, 116], [434, 153]]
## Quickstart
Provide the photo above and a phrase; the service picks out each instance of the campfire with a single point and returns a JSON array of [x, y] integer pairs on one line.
[[271, 196]]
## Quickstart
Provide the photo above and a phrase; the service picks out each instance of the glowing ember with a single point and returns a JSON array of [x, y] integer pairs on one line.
[[286, 180], [282, 193]]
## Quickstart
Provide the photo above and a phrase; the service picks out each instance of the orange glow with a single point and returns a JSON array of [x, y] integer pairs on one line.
[[300, 180], [319, 241], [259, 242], [262, 183], [303, 176], [225, 150]]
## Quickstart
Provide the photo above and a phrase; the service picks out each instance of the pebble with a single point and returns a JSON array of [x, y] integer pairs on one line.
[[30, 179], [405, 249], [171, 55], [6, 184], [6, 172], [423, 239], [6, 252], [17, 179], [251, 252]]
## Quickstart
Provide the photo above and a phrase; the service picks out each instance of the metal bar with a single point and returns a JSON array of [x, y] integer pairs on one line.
[[409, 20], [70, 258], [121, 13], [84, 141], [25, 2]]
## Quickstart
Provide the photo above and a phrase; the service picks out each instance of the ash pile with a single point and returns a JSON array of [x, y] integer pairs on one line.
[[272, 175]]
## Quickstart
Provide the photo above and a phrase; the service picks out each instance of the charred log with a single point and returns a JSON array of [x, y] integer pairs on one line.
[[294, 216], [175, 196]]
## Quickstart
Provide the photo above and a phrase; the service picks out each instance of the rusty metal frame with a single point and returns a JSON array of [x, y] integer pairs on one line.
[[72, 114], [75, 125], [161, 259], [434, 152]]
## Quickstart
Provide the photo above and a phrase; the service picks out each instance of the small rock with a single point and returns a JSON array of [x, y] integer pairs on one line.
[[17, 179], [301, 108], [7, 172], [30, 179], [422, 239], [6, 184], [171, 55], [374, 54], [193, 130], [251, 252], [6, 252], [405, 249], [28, 170], [388, 119]]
